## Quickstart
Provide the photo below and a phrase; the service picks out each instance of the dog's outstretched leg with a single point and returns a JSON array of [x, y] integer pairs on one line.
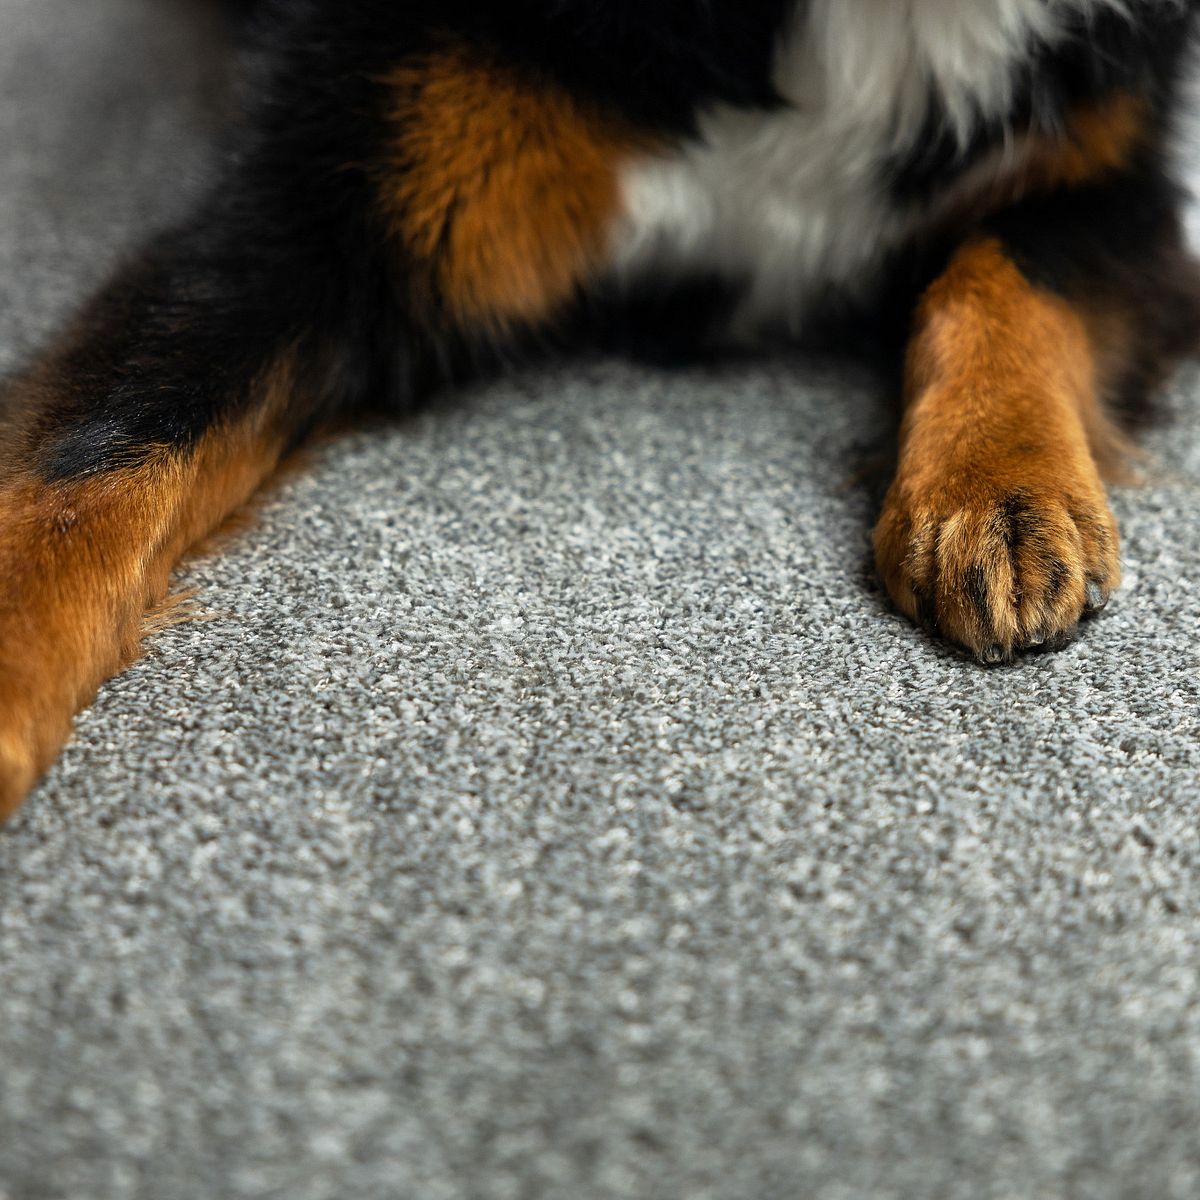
[[170, 402], [997, 530], [396, 209], [175, 393]]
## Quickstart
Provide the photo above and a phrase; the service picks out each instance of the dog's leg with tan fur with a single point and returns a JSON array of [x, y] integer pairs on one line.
[[83, 560], [996, 530], [996, 527], [161, 411], [106, 478]]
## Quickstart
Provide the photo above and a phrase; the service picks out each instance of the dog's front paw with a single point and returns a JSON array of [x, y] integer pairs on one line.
[[995, 567]]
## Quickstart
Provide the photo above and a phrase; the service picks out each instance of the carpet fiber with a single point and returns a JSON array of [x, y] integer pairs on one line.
[[553, 807]]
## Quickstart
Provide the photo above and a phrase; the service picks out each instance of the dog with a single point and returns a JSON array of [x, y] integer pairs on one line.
[[420, 190]]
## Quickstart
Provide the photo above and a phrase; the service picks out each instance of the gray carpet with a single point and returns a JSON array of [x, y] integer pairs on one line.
[[552, 807]]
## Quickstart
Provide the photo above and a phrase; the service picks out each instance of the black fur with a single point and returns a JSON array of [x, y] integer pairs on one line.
[[1143, 50], [1120, 242], [288, 249]]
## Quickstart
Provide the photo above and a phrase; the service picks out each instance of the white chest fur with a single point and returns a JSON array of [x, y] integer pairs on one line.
[[796, 201]]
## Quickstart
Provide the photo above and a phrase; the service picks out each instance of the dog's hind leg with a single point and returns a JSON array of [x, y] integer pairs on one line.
[[175, 396], [388, 219], [172, 397]]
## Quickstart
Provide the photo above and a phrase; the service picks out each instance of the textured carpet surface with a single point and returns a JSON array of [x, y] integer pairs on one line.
[[552, 807]]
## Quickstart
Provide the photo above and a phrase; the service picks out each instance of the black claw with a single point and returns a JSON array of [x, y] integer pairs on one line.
[[1048, 643], [992, 655], [1095, 597]]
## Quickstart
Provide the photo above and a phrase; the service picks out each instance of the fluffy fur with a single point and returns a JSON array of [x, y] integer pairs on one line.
[[424, 190], [795, 202]]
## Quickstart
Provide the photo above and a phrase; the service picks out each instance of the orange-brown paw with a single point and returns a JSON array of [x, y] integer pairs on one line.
[[998, 567]]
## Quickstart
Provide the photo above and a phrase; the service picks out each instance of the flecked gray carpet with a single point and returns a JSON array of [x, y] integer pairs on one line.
[[554, 808]]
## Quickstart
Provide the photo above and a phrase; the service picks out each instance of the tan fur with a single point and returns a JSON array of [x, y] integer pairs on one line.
[[1095, 141], [997, 520], [503, 186], [83, 562]]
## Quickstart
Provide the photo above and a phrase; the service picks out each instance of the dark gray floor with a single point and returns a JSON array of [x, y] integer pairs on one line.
[[555, 809]]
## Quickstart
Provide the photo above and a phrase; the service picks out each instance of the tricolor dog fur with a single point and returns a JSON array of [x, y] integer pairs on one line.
[[420, 190]]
